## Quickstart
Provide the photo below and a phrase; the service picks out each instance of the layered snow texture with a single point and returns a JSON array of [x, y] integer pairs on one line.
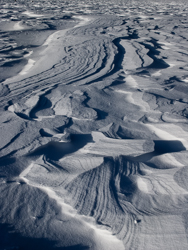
[[93, 125]]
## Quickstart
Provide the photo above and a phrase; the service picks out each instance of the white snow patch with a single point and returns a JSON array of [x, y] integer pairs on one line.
[[30, 53], [142, 185], [157, 73], [27, 67], [31, 14], [18, 26], [130, 81], [83, 22]]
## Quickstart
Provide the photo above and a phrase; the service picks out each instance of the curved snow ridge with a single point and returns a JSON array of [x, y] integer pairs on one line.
[[101, 234], [138, 55], [120, 192], [44, 176], [78, 64], [49, 54], [105, 240]]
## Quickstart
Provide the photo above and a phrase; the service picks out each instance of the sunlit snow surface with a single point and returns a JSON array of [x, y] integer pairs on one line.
[[94, 125]]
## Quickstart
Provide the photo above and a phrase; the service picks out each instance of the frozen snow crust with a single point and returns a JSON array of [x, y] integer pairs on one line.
[[93, 125]]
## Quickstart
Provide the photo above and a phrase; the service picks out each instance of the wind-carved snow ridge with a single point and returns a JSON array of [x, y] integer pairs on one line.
[[104, 239], [93, 125]]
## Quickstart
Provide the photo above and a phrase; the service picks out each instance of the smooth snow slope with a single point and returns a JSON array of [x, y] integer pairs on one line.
[[93, 125]]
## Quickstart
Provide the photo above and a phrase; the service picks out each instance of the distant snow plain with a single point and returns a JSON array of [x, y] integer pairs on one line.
[[93, 125]]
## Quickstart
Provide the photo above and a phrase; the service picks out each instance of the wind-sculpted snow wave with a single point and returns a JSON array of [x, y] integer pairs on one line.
[[93, 125]]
